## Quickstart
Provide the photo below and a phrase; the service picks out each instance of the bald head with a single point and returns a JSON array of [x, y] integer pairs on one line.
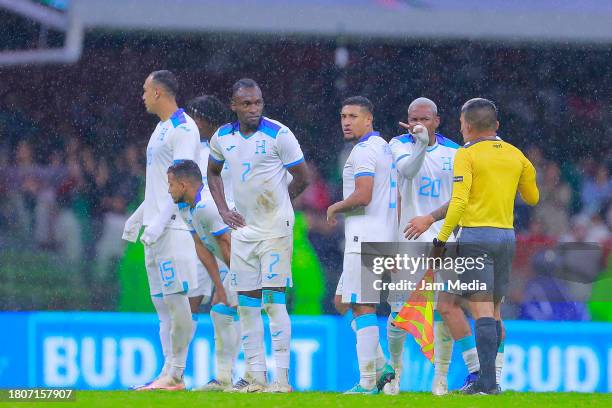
[[423, 102], [480, 114]]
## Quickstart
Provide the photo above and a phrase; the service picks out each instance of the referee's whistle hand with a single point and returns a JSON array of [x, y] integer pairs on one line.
[[417, 226]]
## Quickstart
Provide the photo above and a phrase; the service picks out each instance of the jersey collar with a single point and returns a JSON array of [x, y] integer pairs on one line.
[[368, 135], [482, 139], [198, 196]]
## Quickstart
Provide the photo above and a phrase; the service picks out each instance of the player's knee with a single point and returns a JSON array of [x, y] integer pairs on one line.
[[446, 309]]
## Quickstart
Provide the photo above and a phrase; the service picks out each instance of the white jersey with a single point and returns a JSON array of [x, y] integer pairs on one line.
[[376, 222], [259, 176], [204, 220], [425, 177], [173, 140], [225, 175]]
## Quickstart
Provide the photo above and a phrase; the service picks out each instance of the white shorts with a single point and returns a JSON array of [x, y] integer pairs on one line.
[[349, 284], [205, 284], [171, 263], [261, 264]]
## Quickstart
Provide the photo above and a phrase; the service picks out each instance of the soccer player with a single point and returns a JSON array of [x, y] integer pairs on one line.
[[369, 204], [262, 153], [209, 114], [212, 243], [169, 250], [487, 174], [425, 176]]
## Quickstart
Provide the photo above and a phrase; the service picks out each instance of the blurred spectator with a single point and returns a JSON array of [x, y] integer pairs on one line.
[[596, 191], [555, 196]]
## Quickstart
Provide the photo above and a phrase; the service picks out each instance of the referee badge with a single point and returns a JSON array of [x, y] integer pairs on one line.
[[458, 179]]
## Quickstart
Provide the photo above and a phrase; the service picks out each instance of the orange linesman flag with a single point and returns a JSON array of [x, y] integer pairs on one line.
[[416, 316]]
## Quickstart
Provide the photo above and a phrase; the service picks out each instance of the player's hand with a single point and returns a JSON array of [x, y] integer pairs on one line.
[[438, 251], [220, 296], [418, 225], [233, 219], [131, 230], [151, 234], [331, 215], [418, 131]]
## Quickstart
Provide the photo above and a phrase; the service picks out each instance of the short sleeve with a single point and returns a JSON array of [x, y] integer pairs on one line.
[[209, 218], [399, 150], [186, 141], [364, 160], [216, 153], [288, 148]]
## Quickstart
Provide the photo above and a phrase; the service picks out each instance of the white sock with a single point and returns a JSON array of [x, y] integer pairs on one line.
[[164, 330], [367, 345], [251, 326], [181, 331], [225, 341], [499, 363], [381, 359], [443, 346], [280, 332], [396, 339], [469, 353]]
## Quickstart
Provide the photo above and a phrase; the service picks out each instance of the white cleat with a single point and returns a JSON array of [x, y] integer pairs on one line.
[[278, 388], [439, 386], [392, 387]]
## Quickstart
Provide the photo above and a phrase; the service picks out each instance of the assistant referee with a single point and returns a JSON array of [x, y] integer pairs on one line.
[[488, 172]]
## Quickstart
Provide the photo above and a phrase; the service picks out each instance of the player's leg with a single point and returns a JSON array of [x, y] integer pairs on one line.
[[275, 255], [176, 260], [457, 326], [501, 337], [227, 334], [157, 298], [246, 281], [365, 325]]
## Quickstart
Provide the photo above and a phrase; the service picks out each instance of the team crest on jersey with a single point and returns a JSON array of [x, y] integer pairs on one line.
[[260, 147]]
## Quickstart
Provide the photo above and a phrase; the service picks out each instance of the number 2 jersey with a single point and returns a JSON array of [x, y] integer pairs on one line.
[[425, 178]]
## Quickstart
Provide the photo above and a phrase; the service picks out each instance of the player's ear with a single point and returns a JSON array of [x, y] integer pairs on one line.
[[496, 125], [437, 121]]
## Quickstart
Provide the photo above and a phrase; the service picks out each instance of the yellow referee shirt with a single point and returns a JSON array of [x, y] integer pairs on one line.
[[487, 174]]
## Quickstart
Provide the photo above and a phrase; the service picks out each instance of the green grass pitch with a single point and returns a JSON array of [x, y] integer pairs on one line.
[[126, 399]]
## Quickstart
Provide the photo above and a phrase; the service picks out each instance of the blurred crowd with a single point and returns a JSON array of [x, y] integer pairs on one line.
[[73, 137]]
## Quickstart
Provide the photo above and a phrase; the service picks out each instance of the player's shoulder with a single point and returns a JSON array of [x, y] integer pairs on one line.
[[446, 142], [227, 129], [403, 139], [272, 128]]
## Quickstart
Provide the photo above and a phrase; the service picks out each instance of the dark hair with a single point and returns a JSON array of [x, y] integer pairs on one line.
[[243, 83], [480, 113], [209, 108], [186, 170], [166, 79], [359, 101]]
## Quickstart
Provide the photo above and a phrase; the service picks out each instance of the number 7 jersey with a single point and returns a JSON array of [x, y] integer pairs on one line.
[[425, 178], [258, 170]]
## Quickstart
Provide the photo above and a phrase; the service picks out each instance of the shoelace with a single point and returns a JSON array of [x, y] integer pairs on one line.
[[241, 383]]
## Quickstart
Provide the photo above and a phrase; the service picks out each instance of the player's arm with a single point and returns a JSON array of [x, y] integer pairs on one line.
[[215, 185], [409, 157], [361, 197], [300, 181], [210, 263], [133, 224], [152, 232], [421, 223], [527, 187], [462, 184], [291, 155], [224, 240]]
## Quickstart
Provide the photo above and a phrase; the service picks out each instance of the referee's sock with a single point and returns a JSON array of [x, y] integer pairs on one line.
[[499, 360], [486, 344]]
